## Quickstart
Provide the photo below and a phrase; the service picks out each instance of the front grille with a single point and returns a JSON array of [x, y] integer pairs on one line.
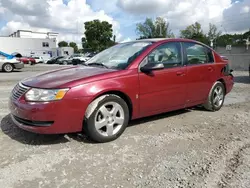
[[18, 91]]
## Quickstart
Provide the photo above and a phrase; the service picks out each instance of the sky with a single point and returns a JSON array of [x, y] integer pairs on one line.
[[67, 17]]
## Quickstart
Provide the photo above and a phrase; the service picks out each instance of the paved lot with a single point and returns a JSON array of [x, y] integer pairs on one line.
[[187, 148]]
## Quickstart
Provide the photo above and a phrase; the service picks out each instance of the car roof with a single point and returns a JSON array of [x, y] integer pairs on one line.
[[163, 39], [154, 40]]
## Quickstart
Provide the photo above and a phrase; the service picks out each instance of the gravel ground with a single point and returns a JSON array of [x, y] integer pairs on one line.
[[184, 149]]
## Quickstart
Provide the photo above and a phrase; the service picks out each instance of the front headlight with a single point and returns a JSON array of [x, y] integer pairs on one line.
[[45, 95]]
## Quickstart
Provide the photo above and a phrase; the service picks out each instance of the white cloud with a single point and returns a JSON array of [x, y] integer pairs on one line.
[[227, 16], [52, 15], [68, 20], [178, 13], [145, 6], [237, 17], [126, 40]]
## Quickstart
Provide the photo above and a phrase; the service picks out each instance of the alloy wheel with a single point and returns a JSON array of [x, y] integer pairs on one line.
[[109, 119], [218, 96], [8, 68]]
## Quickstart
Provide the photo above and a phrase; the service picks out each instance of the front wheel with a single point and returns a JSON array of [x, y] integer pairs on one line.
[[216, 97], [7, 67], [106, 118]]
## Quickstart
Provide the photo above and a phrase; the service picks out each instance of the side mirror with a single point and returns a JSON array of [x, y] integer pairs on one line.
[[152, 66]]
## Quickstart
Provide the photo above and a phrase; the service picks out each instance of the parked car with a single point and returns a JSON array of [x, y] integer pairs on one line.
[[249, 70], [65, 60], [27, 60], [74, 59], [80, 59], [8, 65], [91, 54], [68, 59], [54, 60], [38, 59], [124, 82]]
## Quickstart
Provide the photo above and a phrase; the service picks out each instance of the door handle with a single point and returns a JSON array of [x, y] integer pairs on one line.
[[210, 69], [180, 73]]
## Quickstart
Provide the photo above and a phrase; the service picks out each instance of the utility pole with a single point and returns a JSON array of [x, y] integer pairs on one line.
[[211, 43], [247, 43], [160, 31]]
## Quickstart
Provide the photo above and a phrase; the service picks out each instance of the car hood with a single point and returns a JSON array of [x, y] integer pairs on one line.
[[58, 78]]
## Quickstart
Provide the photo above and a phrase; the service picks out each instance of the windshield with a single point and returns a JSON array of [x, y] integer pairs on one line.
[[120, 55]]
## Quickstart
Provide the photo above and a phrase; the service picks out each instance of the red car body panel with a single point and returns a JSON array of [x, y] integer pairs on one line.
[[26, 60], [148, 94], [66, 118], [156, 89]]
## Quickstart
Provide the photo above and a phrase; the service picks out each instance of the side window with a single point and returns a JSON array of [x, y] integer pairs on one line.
[[198, 54], [210, 55], [169, 54]]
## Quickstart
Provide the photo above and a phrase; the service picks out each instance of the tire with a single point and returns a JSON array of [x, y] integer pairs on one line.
[[110, 127], [7, 67], [216, 97]]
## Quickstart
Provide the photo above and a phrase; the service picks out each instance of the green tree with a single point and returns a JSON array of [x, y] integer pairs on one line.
[[213, 32], [154, 29], [246, 35], [224, 40], [74, 46], [63, 44], [97, 35], [194, 32], [234, 40]]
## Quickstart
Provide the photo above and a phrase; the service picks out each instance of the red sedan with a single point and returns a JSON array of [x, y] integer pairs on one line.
[[27, 60], [127, 81]]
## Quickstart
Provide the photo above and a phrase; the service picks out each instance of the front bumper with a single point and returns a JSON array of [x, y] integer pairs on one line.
[[65, 116], [18, 65]]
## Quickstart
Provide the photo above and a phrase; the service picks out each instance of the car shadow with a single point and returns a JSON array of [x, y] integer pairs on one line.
[[24, 137], [242, 79], [158, 117], [14, 71]]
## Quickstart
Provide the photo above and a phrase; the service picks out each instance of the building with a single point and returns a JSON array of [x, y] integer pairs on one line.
[[65, 51], [32, 34], [30, 43]]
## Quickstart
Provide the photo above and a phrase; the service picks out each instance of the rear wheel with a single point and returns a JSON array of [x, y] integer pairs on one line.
[[216, 97], [106, 118], [7, 67]]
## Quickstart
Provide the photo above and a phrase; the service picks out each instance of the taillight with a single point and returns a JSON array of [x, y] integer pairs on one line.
[[226, 70]]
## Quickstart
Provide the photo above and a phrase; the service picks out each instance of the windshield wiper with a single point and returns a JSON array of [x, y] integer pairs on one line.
[[99, 64]]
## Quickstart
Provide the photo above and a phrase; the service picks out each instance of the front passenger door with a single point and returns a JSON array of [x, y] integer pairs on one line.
[[163, 90]]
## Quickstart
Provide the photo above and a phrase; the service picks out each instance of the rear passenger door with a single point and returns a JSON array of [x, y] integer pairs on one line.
[[200, 72]]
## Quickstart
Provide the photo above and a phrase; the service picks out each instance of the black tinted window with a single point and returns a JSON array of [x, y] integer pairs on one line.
[[198, 54], [169, 54]]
